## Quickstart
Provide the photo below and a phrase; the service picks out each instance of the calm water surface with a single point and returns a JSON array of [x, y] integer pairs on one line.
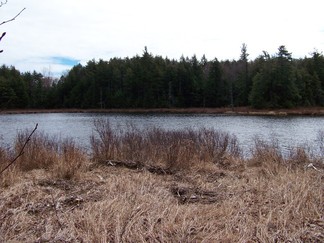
[[289, 131]]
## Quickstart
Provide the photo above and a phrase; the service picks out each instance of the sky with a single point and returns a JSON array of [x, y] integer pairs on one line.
[[51, 36]]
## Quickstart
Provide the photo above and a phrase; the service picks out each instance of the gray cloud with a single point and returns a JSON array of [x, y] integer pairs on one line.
[[82, 30]]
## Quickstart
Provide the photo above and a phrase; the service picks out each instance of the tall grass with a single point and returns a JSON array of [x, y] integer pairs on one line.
[[10, 176], [174, 149], [62, 158]]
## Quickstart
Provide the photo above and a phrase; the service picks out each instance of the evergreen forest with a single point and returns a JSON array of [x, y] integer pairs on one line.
[[147, 81]]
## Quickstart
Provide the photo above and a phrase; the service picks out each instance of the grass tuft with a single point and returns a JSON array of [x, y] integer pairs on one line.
[[62, 158], [69, 162]]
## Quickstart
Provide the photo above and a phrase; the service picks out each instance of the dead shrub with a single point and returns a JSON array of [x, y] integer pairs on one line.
[[11, 174], [268, 156], [40, 153], [2, 155], [182, 155], [133, 145], [320, 141], [59, 156], [298, 157], [104, 142], [69, 161], [265, 151], [175, 149], [215, 145]]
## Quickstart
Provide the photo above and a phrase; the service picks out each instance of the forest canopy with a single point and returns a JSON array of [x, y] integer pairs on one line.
[[148, 81]]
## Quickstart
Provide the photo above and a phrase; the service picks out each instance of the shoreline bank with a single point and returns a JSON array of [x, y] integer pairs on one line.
[[243, 111]]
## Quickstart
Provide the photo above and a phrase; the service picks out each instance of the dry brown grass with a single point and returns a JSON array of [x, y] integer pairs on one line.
[[61, 157], [178, 150], [215, 195], [11, 175]]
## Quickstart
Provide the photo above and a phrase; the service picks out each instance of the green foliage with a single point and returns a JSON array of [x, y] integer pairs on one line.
[[274, 85], [149, 81], [243, 85], [7, 94], [259, 94], [215, 87], [12, 88]]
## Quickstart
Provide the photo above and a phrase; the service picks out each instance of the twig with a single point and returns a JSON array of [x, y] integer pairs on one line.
[[4, 22], [3, 34], [1, 4], [21, 151], [313, 167]]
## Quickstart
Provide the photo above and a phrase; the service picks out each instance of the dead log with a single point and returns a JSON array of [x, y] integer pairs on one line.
[[195, 195], [137, 165]]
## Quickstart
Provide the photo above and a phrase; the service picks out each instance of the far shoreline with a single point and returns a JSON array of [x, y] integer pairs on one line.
[[243, 111]]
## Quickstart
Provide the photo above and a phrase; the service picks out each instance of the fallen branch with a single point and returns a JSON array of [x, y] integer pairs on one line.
[[137, 165], [21, 151], [195, 195]]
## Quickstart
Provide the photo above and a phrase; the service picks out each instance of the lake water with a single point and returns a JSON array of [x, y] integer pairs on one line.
[[288, 131]]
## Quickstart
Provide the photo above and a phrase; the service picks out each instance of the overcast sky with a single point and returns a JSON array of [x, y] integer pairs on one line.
[[54, 35]]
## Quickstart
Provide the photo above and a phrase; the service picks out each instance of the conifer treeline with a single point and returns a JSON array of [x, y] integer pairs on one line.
[[149, 81]]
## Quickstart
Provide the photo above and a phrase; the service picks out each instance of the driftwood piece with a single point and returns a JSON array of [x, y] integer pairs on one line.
[[195, 195], [137, 165]]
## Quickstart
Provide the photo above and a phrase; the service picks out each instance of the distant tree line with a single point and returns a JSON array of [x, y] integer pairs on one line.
[[147, 81]]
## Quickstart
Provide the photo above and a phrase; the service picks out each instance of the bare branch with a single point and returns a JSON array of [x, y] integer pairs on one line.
[[4, 22], [21, 151], [3, 34], [3, 3]]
